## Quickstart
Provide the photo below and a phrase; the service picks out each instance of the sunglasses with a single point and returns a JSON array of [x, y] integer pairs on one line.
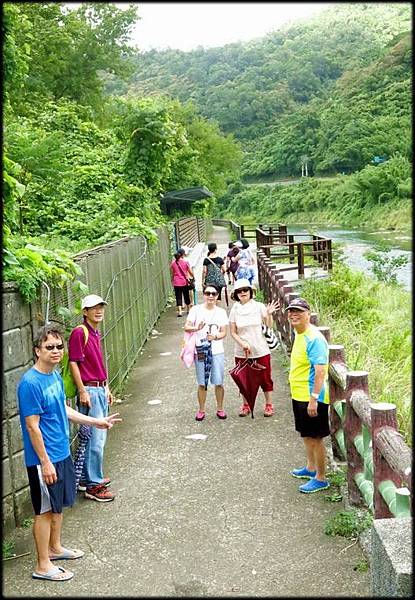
[[243, 290], [210, 293], [51, 347]]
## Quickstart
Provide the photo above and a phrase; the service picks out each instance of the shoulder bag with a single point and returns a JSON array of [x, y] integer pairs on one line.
[[190, 280]]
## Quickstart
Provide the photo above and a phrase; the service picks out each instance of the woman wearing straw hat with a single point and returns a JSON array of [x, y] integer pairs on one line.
[[245, 319]]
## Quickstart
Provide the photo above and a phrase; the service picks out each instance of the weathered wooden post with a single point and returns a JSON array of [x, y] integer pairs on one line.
[[326, 332], [242, 228], [314, 318], [355, 380], [300, 260], [291, 250], [282, 230], [383, 416], [337, 384], [329, 256]]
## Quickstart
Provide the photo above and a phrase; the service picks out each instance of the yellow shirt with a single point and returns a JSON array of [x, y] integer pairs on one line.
[[310, 348]]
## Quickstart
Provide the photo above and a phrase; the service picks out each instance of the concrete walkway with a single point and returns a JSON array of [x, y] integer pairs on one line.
[[216, 517]]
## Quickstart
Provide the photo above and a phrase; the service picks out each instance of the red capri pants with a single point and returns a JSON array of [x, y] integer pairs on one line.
[[264, 376]]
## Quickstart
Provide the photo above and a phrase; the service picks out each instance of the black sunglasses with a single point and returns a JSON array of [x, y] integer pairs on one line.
[[210, 293], [242, 290], [51, 347]]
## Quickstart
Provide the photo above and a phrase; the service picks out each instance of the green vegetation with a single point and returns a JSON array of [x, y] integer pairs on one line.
[[337, 479], [362, 566], [333, 92], [348, 523], [383, 266], [383, 192], [8, 549], [372, 320], [26, 523], [80, 168]]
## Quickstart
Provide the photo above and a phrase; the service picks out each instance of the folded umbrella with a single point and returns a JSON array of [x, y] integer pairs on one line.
[[247, 375], [226, 296], [84, 433], [207, 361]]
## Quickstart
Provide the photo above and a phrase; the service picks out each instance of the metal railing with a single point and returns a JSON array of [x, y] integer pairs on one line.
[[133, 277]]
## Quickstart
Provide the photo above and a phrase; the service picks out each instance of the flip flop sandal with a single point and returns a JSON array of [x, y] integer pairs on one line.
[[68, 554], [51, 575]]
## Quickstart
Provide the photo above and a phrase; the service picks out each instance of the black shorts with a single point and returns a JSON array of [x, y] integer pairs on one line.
[[53, 497], [314, 427]]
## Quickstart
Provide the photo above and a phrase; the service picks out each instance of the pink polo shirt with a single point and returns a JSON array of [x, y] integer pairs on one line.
[[89, 358], [179, 279]]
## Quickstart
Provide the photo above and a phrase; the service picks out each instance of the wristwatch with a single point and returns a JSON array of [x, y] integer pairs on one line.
[[314, 395]]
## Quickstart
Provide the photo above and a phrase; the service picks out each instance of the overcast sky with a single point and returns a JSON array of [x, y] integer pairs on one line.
[[188, 25]]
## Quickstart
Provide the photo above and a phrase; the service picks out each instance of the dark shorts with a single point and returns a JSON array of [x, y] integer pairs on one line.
[[314, 427], [263, 377], [53, 497]]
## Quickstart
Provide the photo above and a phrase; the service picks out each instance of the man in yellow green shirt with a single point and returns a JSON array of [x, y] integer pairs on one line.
[[309, 393]]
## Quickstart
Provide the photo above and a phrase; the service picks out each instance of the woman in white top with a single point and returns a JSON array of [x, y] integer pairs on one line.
[[209, 323], [246, 318]]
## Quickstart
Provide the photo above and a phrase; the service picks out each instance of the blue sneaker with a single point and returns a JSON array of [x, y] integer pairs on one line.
[[314, 485], [303, 473]]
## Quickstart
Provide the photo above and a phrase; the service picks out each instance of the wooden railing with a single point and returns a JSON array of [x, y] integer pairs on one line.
[[279, 245], [363, 433]]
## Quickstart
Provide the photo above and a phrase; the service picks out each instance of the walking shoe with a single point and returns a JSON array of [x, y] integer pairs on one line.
[[221, 414], [314, 485], [99, 493], [82, 485], [244, 410], [268, 410], [200, 415], [303, 473]]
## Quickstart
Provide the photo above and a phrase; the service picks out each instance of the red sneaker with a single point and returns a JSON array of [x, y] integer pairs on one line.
[[244, 410], [82, 485], [268, 410], [99, 493]]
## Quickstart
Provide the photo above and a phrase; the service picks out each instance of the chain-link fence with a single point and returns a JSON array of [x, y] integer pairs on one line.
[[133, 277]]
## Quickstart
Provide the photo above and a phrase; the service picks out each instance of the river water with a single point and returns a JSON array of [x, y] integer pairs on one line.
[[355, 242]]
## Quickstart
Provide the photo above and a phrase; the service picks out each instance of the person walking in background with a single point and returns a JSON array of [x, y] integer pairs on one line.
[[246, 318], [309, 392], [88, 370], [181, 275], [213, 272], [246, 261], [44, 418], [209, 323], [230, 265]]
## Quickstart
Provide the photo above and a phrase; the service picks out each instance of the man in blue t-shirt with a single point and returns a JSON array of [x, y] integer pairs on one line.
[[44, 418]]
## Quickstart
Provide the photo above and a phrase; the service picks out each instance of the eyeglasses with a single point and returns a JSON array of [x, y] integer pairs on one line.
[[51, 347], [210, 293], [243, 290]]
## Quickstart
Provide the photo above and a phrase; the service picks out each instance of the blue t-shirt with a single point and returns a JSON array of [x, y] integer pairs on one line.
[[42, 394]]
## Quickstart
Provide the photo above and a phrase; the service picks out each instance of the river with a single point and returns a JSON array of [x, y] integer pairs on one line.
[[355, 242]]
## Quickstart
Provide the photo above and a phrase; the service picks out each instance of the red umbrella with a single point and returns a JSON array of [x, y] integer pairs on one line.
[[248, 375]]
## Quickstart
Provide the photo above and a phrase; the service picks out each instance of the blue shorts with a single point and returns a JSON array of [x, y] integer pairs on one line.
[[217, 372], [46, 498]]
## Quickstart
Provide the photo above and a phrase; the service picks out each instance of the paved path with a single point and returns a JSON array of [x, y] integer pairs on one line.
[[219, 517]]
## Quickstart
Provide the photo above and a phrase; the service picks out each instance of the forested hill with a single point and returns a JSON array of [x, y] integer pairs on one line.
[[298, 91]]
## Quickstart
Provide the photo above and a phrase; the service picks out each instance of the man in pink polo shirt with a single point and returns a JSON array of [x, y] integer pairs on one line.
[[90, 375]]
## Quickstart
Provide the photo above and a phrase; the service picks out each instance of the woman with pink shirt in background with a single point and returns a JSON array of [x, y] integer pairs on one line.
[[181, 271]]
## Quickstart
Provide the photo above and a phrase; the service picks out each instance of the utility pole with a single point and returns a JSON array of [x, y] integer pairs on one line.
[[304, 165]]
